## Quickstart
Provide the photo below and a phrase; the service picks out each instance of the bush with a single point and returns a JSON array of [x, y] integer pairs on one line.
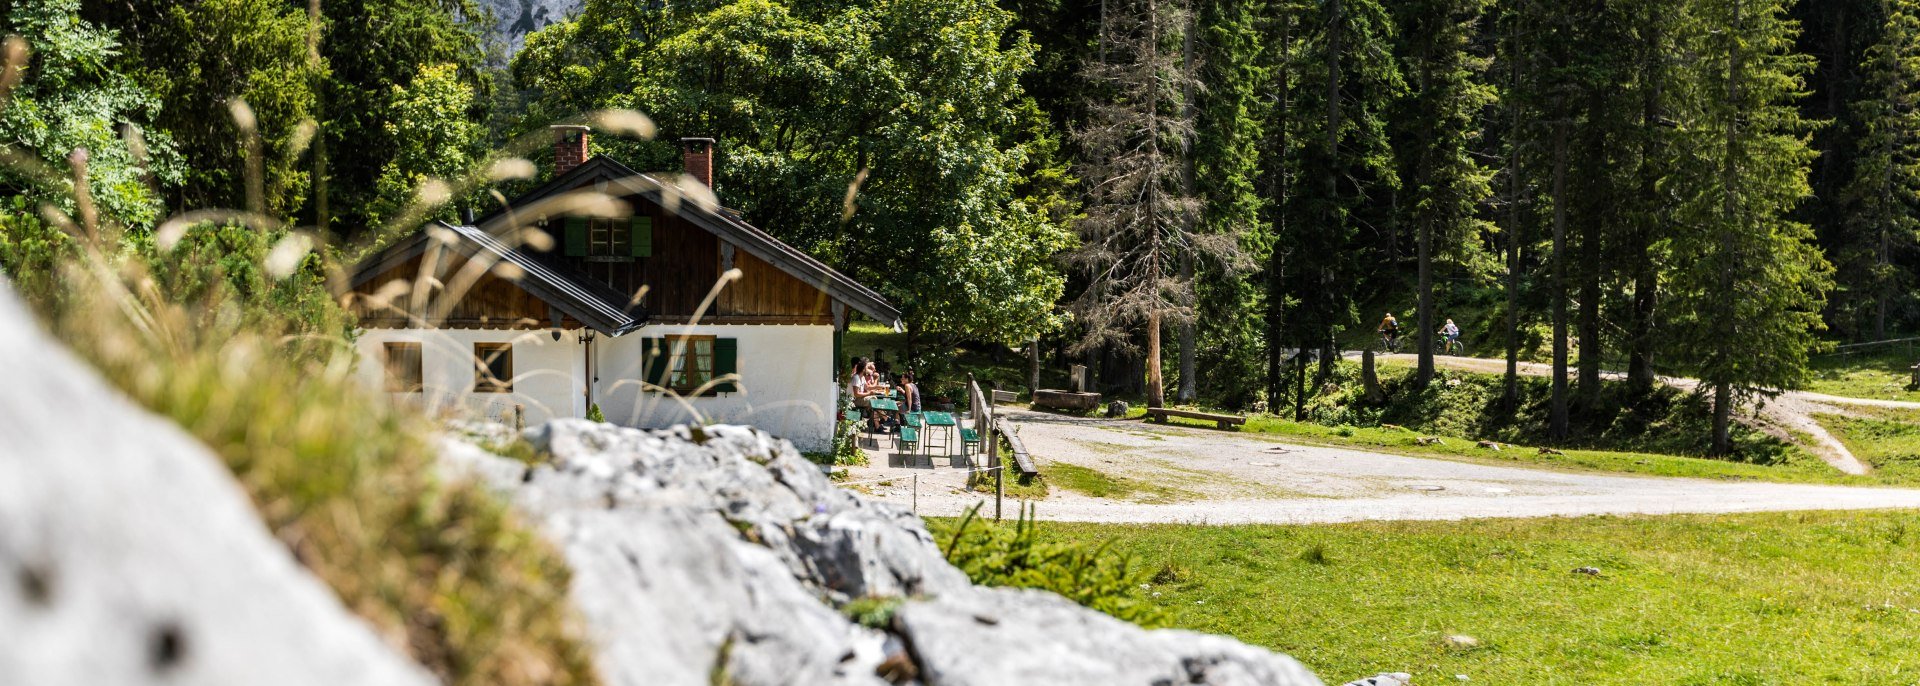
[[1094, 576]]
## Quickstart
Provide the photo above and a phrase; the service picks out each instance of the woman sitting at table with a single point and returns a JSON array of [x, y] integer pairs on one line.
[[909, 393], [863, 386]]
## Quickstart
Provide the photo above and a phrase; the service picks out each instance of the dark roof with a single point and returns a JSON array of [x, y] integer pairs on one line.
[[592, 303], [726, 224]]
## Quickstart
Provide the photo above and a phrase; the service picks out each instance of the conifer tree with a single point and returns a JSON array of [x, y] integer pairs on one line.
[[1884, 194], [1447, 185], [1748, 281], [1138, 216]]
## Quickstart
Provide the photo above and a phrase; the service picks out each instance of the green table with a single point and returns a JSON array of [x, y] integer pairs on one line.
[[883, 404], [945, 421]]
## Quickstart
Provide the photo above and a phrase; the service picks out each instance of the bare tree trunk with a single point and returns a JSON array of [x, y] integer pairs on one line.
[[1156, 389], [1033, 364], [1722, 390], [1557, 407], [1646, 280], [1510, 397], [1423, 338], [1187, 392]]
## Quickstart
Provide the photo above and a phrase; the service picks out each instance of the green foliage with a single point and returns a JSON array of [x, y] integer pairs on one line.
[[594, 414], [1776, 598], [435, 142], [922, 95], [1881, 200], [1091, 575], [1664, 420], [872, 612], [199, 58], [72, 97], [1746, 157]]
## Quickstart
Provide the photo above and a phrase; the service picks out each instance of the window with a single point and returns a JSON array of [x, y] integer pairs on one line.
[[693, 366], [403, 367], [608, 238], [689, 364], [493, 367]]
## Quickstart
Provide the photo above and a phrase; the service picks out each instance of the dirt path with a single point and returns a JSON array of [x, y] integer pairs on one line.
[[1212, 477], [1788, 416]]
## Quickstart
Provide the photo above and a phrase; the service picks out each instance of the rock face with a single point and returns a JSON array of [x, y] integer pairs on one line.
[[128, 554], [702, 554], [514, 19]]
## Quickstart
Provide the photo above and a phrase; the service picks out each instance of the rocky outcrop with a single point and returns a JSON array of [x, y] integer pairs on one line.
[[514, 19], [128, 554], [720, 553]]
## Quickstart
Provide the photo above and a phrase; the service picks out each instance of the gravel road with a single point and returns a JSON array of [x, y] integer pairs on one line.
[[1233, 478]]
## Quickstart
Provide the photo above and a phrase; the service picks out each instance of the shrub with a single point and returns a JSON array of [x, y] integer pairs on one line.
[[1094, 576]]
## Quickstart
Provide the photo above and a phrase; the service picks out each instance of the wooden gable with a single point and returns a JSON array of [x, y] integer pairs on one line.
[[686, 261], [490, 303]]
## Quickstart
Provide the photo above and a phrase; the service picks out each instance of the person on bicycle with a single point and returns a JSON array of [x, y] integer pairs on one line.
[[1451, 333], [1390, 331]]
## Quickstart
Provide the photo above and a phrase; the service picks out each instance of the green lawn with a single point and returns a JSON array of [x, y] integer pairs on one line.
[[1882, 374], [1801, 469], [1786, 598], [1887, 439]]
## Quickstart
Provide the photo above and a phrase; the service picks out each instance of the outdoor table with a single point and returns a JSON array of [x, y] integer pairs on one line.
[[945, 421]]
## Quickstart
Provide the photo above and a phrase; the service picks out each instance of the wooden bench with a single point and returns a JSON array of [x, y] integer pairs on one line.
[[1160, 414], [1000, 396], [1021, 459]]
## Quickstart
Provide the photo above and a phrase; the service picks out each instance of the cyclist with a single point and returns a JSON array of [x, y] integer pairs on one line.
[[1390, 332], [1451, 333]]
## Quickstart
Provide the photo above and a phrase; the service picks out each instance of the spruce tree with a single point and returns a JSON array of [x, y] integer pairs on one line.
[[1748, 281], [1884, 194], [1443, 106]]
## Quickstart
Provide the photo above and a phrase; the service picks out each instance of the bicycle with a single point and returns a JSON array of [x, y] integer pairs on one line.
[[1389, 342], [1446, 345]]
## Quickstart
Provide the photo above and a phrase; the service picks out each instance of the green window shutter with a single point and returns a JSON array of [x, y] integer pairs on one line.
[[654, 361], [726, 360], [642, 238], [576, 239]]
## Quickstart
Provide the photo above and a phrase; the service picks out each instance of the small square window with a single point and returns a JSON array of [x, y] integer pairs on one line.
[[403, 367], [493, 367]]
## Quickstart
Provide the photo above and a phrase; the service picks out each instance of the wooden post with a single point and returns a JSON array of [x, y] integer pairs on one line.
[[519, 417], [916, 494], [993, 462], [1033, 365]]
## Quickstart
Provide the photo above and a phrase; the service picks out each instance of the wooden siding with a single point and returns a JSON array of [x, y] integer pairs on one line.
[[492, 302], [685, 264], [763, 290]]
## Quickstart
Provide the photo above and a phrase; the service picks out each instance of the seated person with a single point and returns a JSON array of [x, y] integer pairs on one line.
[[909, 393]]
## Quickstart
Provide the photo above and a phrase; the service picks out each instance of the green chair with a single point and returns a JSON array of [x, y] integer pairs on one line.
[[909, 438], [916, 419], [969, 440]]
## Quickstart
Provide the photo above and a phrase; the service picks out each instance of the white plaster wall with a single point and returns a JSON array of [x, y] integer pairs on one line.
[[546, 372], [786, 382]]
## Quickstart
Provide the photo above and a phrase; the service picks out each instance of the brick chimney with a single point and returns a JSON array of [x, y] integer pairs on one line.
[[569, 147], [697, 155]]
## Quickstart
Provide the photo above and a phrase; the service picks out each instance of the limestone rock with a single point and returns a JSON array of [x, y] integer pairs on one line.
[[720, 552], [990, 636], [1384, 679], [128, 554]]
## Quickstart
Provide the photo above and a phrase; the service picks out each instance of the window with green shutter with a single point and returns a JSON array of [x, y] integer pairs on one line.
[[689, 364], [642, 236]]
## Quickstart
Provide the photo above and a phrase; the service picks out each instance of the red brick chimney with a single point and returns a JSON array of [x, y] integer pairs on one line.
[[569, 147], [697, 155]]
